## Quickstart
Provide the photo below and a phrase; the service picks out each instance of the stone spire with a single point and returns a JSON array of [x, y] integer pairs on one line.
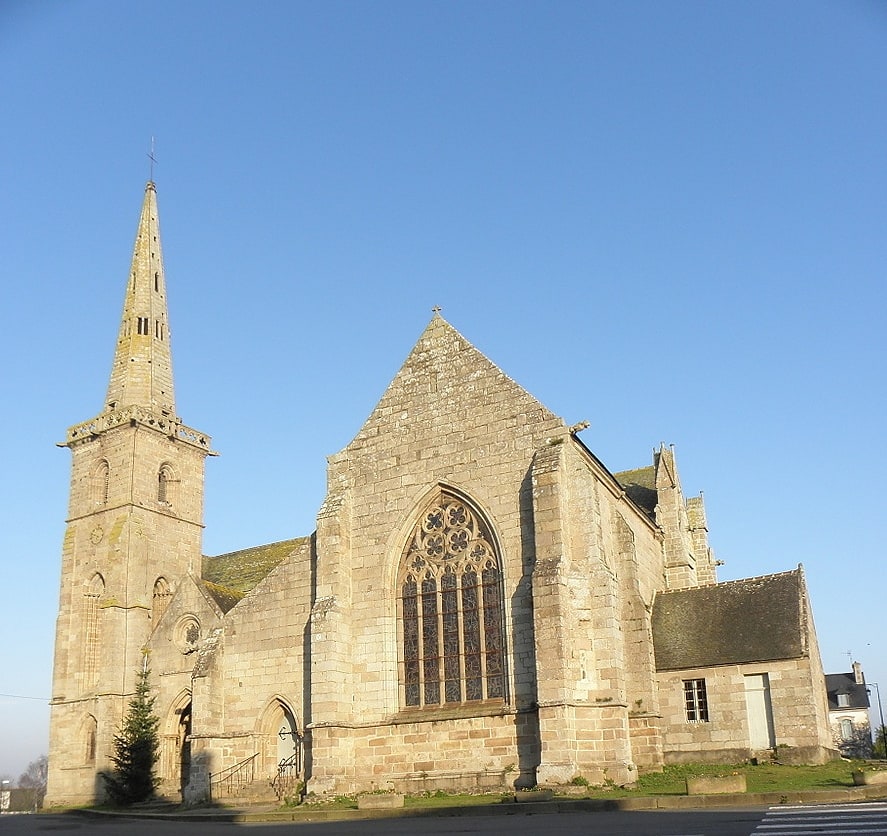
[[142, 372]]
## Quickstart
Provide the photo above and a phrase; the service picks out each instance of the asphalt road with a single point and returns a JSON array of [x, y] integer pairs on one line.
[[868, 818], [671, 823]]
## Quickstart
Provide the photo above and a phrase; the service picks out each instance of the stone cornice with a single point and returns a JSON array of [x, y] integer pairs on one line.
[[138, 416]]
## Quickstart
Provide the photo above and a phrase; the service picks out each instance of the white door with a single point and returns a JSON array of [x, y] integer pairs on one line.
[[760, 711], [286, 736]]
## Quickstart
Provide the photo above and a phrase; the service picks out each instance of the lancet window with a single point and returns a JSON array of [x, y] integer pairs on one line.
[[101, 481], [94, 592], [160, 600], [451, 609], [90, 731], [165, 483]]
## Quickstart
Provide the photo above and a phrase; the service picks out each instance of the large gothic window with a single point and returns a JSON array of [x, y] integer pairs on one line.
[[451, 609]]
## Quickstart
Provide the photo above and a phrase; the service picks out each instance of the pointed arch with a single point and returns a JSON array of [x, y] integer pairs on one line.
[[88, 735], [159, 600], [166, 484], [175, 742], [280, 739], [95, 589], [450, 606], [101, 482]]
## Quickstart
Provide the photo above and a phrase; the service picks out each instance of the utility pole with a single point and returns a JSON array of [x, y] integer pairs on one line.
[[882, 730]]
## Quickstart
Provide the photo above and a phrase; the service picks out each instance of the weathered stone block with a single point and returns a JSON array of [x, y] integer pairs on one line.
[[715, 784]]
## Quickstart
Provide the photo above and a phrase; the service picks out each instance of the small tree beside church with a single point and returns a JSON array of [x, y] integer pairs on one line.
[[136, 748]]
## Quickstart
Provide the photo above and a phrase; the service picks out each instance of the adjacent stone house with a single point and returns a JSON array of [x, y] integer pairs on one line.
[[848, 711], [483, 604]]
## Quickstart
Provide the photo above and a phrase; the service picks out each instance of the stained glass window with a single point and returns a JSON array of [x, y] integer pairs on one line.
[[451, 609]]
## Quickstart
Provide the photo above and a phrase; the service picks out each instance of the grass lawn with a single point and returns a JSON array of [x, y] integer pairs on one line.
[[764, 777]]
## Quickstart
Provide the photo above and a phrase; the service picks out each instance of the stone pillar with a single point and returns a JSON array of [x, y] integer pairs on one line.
[[551, 612], [332, 693]]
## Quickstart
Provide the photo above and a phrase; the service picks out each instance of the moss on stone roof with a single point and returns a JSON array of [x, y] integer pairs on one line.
[[224, 597], [241, 571], [751, 620]]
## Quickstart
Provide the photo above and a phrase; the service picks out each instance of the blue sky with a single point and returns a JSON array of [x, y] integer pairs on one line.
[[665, 218]]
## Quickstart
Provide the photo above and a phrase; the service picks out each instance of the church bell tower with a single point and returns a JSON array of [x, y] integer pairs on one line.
[[134, 530]]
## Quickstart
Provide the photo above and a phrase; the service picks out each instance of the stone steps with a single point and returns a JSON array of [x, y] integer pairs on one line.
[[257, 792]]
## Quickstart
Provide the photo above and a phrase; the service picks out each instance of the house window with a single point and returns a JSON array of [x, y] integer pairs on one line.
[[695, 701], [451, 609], [843, 700], [846, 729]]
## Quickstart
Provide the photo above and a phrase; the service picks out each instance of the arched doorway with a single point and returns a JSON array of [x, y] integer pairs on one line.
[[282, 749], [175, 754], [287, 736], [183, 741]]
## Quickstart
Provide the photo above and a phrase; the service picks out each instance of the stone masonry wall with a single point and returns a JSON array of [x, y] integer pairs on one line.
[[726, 736], [260, 663], [120, 539]]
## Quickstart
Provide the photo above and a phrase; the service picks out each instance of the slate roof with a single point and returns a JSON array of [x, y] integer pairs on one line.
[[752, 620], [845, 683], [640, 485], [229, 577]]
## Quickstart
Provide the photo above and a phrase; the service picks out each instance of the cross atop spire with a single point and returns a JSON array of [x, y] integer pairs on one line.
[[153, 161], [142, 370]]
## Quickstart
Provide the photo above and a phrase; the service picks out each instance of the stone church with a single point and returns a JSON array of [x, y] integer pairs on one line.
[[482, 604]]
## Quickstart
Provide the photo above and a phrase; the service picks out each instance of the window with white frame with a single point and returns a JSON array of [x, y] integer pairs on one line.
[[696, 700]]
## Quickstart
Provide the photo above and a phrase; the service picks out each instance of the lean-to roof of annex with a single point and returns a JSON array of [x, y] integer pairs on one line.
[[443, 367], [229, 577], [751, 620], [640, 485]]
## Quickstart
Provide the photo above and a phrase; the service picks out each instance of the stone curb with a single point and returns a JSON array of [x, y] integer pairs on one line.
[[556, 805]]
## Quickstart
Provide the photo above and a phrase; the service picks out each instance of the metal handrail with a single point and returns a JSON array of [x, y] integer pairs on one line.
[[288, 772], [234, 777]]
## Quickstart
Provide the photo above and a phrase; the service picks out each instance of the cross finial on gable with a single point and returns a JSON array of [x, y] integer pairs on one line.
[[436, 309]]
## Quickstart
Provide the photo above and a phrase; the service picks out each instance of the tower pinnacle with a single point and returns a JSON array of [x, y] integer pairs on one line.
[[142, 370]]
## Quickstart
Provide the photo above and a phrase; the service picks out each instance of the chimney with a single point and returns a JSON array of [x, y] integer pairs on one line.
[[858, 675]]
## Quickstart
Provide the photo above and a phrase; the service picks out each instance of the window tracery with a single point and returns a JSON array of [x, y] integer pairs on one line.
[[94, 591], [451, 609]]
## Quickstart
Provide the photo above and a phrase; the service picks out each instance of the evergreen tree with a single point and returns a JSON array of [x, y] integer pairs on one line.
[[136, 747]]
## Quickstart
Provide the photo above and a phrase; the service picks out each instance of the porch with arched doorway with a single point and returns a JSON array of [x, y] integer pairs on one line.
[[175, 748], [281, 749]]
